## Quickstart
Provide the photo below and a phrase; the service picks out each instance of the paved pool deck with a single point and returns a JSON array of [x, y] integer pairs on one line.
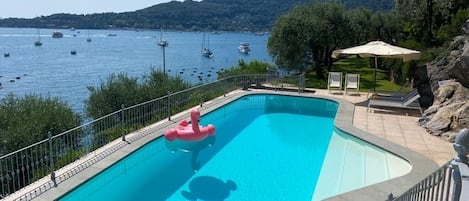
[[395, 125]]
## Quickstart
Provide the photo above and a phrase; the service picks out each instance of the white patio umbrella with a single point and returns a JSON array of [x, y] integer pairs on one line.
[[379, 49]]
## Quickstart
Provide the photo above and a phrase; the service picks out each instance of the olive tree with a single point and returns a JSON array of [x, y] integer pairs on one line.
[[307, 36]]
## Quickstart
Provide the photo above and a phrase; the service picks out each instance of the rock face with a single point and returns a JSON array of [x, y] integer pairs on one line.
[[448, 103], [449, 112]]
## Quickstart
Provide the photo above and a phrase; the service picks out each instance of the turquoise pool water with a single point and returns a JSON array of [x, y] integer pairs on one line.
[[266, 147]]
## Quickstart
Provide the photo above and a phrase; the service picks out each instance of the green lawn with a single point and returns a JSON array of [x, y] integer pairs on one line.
[[355, 65]]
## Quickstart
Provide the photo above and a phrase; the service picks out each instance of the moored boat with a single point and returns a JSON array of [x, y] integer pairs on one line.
[[206, 52], [244, 48], [88, 39], [38, 41], [57, 34], [163, 42]]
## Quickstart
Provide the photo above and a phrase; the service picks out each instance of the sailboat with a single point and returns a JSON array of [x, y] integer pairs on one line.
[[206, 52], [88, 39], [163, 42], [38, 41]]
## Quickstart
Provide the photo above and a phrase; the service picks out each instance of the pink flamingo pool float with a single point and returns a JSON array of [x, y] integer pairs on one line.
[[195, 132]]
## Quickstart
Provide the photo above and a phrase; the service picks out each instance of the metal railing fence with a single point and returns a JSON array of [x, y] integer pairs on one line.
[[30, 164], [437, 186]]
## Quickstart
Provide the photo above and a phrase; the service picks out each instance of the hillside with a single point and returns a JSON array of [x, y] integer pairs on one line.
[[227, 15]]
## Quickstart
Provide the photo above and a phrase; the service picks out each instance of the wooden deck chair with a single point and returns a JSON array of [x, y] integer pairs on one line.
[[334, 81], [352, 81]]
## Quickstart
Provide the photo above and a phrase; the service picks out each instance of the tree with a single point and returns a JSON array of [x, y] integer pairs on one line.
[[360, 20], [158, 84], [121, 89], [424, 16], [118, 89], [447, 31], [253, 67], [386, 26], [308, 35], [27, 120]]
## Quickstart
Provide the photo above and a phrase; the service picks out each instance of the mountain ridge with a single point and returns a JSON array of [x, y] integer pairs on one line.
[[226, 15]]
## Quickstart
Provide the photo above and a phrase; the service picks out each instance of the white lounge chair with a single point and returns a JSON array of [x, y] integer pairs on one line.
[[334, 81], [409, 100], [352, 81], [443, 82], [399, 92]]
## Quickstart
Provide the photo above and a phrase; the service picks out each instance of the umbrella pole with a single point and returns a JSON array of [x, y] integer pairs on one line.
[[374, 78]]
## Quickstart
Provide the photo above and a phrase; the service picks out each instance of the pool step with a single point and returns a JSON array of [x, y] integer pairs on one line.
[[353, 164]]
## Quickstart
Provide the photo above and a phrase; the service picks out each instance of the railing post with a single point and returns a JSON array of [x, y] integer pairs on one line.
[[225, 90], [461, 146], [169, 106], [122, 122], [51, 159], [456, 181], [390, 197], [301, 82]]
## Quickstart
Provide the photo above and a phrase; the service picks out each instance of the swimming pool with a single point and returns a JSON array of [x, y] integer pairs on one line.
[[266, 147]]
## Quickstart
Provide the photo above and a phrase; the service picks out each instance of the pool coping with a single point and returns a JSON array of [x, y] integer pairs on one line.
[[421, 165]]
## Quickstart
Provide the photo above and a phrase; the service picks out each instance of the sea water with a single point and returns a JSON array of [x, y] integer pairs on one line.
[[51, 69]]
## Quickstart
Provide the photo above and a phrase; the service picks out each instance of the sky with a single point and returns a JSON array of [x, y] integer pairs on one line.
[[33, 8]]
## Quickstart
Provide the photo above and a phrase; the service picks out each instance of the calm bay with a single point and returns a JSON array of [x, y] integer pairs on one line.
[[51, 69]]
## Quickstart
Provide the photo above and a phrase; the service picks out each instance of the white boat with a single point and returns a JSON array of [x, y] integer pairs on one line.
[[244, 48], [206, 52], [163, 42], [259, 33], [57, 34]]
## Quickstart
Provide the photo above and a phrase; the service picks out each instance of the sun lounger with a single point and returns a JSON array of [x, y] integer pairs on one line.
[[409, 101], [443, 82], [352, 81], [334, 81], [396, 96], [399, 92]]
